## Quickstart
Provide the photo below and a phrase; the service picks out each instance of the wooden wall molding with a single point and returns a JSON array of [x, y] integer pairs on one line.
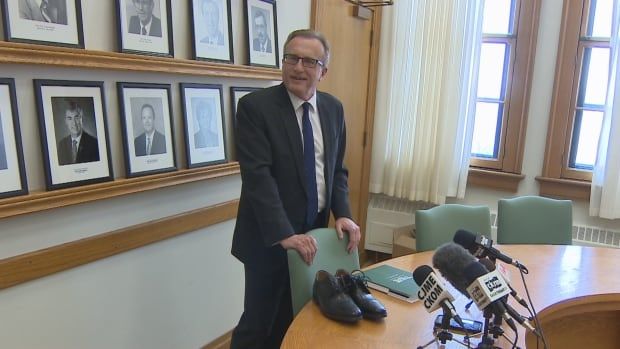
[[221, 342], [40, 201], [33, 265], [11, 53]]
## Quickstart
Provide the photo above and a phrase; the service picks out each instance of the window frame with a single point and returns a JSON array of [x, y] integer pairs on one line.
[[504, 173], [557, 178]]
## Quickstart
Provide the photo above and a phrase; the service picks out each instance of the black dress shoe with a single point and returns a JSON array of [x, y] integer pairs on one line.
[[332, 300], [355, 286]]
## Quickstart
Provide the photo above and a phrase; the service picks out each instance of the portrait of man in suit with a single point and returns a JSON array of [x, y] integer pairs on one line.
[[78, 146], [210, 10], [149, 142], [144, 22], [51, 11], [260, 28], [205, 137]]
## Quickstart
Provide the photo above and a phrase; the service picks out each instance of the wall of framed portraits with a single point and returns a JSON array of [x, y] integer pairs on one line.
[[182, 288]]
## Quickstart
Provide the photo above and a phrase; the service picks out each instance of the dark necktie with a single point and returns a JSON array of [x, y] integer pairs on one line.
[[148, 145], [74, 150], [309, 167]]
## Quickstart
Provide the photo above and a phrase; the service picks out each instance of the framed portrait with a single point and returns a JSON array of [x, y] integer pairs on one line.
[[262, 33], [147, 128], [204, 124], [74, 132], [48, 22], [235, 95], [145, 27], [212, 30], [12, 173]]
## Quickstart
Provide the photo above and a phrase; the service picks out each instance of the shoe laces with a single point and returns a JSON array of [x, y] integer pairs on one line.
[[356, 277]]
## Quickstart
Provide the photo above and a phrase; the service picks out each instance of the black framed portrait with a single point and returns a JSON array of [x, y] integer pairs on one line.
[[212, 30], [236, 93], [74, 133], [203, 115], [148, 136], [145, 27], [12, 174], [262, 33], [47, 22]]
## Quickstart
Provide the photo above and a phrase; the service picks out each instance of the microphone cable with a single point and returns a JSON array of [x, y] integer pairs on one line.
[[533, 312]]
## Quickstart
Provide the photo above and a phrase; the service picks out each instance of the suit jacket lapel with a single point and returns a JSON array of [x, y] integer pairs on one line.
[[289, 120], [326, 128]]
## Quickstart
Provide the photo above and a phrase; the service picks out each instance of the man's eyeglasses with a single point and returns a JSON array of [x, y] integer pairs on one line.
[[305, 61]]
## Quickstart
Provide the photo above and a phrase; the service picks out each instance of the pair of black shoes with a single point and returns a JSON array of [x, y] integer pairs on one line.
[[345, 297]]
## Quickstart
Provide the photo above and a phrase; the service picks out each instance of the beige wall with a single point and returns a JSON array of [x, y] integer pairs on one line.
[[180, 293]]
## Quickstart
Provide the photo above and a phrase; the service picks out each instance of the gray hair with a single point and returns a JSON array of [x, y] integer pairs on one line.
[[310, 34]]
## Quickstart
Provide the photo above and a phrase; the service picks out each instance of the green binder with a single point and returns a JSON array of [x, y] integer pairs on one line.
[[393, 281]]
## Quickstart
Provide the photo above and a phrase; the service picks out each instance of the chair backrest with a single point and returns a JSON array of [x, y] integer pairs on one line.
[[437, 225], [534, 220], [331, 255]]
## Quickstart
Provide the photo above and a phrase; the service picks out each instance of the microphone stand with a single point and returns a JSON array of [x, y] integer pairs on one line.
[[444, 335], [491, 332]]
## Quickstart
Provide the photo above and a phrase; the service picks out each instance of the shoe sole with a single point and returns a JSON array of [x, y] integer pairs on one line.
[[374, 317], [336, 317], [343, 319]]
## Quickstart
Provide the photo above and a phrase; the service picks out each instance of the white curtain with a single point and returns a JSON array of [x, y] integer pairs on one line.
[[425, 105], [605, 192]]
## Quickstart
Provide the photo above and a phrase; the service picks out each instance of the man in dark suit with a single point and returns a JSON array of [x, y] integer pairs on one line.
[[204, 137], [211, 15], [290, 184], [261, 41], [150, 142], [52, 11], [79, 146], [144, 23]]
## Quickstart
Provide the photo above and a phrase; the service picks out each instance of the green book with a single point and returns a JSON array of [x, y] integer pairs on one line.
[[393, 281]]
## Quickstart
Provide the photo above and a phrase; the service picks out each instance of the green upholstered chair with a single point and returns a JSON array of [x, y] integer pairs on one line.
[[437, 225], [331, 255], [534, 220]]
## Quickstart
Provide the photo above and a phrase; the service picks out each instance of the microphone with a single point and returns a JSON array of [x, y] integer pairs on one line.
[[433, 293], [481, 246], [491, 267], [450, 259], [461, 269], [523, 321], [490, 286], [488, 290]]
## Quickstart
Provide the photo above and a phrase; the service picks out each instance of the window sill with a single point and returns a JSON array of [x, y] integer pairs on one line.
[[564, 188], [479, 177]]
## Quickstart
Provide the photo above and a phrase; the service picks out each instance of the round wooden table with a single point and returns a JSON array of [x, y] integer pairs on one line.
[[576, 291]]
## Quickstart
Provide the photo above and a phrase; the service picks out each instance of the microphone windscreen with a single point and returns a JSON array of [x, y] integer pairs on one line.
[[488, 264], [451, 259], [465, 239], [421, 273], [473, 271]]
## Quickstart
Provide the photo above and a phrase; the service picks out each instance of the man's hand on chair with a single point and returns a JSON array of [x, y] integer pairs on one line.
[[346, 224], [304, 244]]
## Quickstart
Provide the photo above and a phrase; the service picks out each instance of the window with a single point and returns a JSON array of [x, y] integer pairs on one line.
[[579, 98], [506, 65], [496, 59]]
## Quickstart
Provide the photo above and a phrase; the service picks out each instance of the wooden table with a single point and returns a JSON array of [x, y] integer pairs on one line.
[[576, 291]]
